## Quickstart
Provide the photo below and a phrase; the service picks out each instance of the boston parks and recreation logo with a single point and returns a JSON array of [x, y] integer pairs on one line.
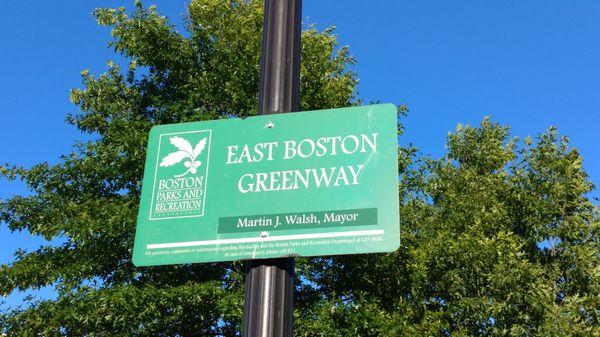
[[180, 175]]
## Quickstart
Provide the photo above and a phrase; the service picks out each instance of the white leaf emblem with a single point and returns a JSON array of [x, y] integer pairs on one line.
[[182, 144], [173, 158], [199, 147], [185, 151]]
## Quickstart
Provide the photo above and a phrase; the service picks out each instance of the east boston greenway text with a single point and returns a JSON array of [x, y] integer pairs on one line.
[[306, 148]]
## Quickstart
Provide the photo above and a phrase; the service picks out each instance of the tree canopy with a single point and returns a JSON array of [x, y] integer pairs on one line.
[[498, 237]]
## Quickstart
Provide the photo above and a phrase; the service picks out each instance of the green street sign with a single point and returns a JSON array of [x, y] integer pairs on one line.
[[294, 184]]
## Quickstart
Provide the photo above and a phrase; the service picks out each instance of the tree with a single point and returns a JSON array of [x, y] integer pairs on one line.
[[90, 199], [497, 240], [499, 237]]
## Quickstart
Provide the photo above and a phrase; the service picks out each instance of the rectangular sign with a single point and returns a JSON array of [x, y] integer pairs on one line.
[[295, 184]]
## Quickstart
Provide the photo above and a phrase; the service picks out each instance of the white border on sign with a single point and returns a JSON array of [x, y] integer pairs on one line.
[[264, 239]]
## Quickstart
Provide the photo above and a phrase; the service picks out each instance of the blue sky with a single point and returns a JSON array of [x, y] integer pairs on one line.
[[527, 64]]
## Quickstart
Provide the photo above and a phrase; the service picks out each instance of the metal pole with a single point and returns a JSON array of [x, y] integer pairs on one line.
[[279, 87], [269, 293]]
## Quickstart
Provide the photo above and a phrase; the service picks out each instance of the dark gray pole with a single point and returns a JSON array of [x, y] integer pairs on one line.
[[279, 87], [269, 293]]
